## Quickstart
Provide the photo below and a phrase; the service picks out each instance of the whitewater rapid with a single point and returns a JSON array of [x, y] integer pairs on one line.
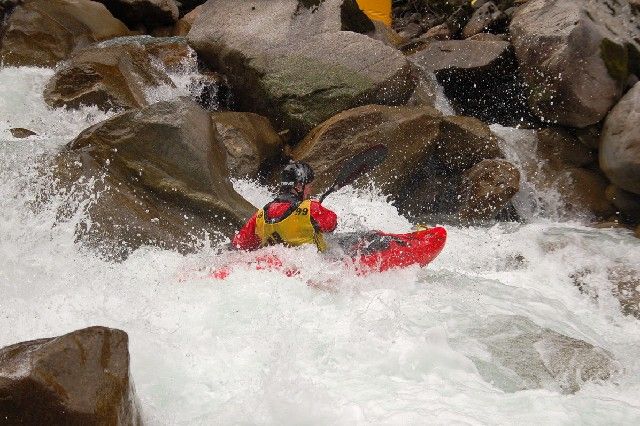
[[399, 347]]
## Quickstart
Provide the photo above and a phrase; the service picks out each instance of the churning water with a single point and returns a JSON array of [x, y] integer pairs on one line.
[[413, 346]]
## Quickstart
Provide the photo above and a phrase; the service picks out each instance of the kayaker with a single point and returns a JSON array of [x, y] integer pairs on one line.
[[292, 218]]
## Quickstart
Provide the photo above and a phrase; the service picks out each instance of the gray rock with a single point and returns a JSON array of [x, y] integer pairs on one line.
[[79, 378], [291, 62], [21, 133], [527, 356], [575, 55], [620, 143]]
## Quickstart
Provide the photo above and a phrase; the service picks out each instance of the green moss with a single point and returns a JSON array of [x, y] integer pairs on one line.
[[616, 59]]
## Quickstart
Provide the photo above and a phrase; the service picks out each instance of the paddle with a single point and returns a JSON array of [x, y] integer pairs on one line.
[[356, 166]]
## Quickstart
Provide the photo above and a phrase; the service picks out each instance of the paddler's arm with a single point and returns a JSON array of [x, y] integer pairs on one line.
[[246, 238], [324, 219]]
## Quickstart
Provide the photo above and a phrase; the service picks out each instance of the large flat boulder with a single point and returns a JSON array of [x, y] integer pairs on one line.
[[479, 78], [290, 60], [80, 378], [620, 143], [44, 32], [112, 76], [161, 176], [148, 13], [575, 56]]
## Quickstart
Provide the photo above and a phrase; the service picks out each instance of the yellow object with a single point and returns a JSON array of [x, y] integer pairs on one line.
[[379, 10], [294, 230]]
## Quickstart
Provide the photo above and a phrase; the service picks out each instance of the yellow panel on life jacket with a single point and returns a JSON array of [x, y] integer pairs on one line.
[[294, 229], [380, 10]]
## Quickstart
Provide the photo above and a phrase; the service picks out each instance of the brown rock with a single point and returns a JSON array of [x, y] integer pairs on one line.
[[549, 35], [43, 32], [262, 47], [251, 143], [183, 26], [486, 18], [464, 142], [637, 233], [162, 178], [422, 144], [584, 191], [488, 37], [78, 378], [148, 13], [110, 76], [561, 149], [439, 32], [487, 188], [626, 202], [620, 143], [21, 133]]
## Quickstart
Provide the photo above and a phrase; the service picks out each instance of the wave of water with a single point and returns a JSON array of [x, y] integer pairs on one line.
[[399, 347]]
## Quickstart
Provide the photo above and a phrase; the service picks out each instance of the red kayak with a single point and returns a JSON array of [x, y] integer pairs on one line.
[[375, 251]]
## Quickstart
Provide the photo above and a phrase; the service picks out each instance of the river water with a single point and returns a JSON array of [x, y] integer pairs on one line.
[[325, 346]]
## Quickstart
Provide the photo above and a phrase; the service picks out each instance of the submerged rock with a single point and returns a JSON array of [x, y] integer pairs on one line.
[[251, 143], [479, 78], [291, 61], [575, 56], [21, 133], [43, 32], [524, 355], [78, 378], [160, 176], [149, 13], [627, 288], [620, 143], [115, 76]]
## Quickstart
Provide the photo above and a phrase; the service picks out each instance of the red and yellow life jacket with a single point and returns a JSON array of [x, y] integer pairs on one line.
[[293, 228]]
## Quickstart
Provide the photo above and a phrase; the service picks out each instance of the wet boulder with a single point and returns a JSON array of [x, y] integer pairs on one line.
[[292, 62], [251, 143], [43, 32], [160, 176], [583, 191], [620, 143], [562, 149], [147, 13], [627, 203], [486, 189], [486, 18], [108, 76], [78, 378], [523, 355], [478, 77], [423, 146], [184, 24], [575, 56]]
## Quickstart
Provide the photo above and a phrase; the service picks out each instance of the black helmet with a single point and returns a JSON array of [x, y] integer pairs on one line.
[[296, 172]]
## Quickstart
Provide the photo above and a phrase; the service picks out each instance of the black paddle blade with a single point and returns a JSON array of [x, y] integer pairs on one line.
[[358, 165]]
